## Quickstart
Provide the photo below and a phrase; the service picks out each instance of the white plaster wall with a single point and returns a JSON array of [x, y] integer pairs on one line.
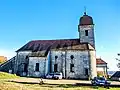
[[103, 68], [93, 68], [100, 69], [32, 65], [47, 63]]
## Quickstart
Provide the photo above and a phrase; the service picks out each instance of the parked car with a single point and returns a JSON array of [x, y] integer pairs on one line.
[[100, 81], [57, 75], [54, 76], [50, 76]]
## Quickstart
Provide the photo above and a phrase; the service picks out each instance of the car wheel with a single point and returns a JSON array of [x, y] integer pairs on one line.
[[57, 78], [94, 84]]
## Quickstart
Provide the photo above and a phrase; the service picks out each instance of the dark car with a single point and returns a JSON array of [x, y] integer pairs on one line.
[[100, 81]]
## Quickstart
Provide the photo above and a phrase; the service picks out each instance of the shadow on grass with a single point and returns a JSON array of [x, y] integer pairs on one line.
[[55, 85], [67, 86], [24, 82]]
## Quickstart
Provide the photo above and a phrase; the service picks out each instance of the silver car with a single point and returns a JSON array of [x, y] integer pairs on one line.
[[54, 76], [50, 76], [57, 76]]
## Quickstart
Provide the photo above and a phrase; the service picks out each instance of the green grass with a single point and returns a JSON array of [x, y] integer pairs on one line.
[[4, 75], [6, 84]]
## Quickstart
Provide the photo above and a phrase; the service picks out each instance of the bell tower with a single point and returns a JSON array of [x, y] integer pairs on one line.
[[86, 30]]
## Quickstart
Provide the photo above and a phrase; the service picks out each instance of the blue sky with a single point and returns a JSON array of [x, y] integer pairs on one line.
[[25, 20]]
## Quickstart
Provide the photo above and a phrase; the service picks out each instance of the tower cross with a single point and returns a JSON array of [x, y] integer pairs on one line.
[[84, 10]]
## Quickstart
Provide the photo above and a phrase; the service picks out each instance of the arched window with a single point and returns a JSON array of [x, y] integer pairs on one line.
[[71, 67], [56, 57], [26, 57], [37, 67], [55, 67], [25, 67], [71, 56]]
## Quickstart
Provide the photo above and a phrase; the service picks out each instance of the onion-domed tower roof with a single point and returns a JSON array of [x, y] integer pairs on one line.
[[86, 20]]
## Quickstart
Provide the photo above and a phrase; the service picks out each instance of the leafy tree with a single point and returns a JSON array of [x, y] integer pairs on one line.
[[2, 59]]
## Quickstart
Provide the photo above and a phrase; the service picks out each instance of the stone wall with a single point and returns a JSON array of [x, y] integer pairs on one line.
[[21, 62], [8, 66], [83, 63], [32, 66], [90, 38], [80, 61]]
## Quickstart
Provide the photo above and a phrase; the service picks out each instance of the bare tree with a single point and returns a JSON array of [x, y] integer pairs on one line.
[[118, 64]]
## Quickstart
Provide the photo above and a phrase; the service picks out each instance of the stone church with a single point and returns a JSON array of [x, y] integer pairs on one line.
[[75, 58]]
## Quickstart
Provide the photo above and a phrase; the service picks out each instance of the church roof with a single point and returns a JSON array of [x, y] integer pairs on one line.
[[46, 45], [100, 61]]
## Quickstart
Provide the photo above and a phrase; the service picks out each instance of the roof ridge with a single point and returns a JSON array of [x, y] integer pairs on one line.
[[55, 39]]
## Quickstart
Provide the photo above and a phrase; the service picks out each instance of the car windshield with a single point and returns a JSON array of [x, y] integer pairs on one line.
[[101, 78], [50, 74], [57, 74]]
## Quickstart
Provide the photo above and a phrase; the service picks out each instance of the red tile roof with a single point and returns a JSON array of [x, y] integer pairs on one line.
[[46, 45], [100, 61]]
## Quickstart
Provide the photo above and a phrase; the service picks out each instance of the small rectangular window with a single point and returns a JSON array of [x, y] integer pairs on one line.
[[86, 71], [71, 67], [86, 32], [85, 62], [55, 67], [25, 67], [37, 67]]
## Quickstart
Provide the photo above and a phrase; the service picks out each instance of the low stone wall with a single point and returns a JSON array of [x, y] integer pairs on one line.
[[8, 66]]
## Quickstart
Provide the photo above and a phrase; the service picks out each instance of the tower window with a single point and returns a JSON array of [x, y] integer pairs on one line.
[[55, 67], [86, 32], [71, 67], [37, 67]]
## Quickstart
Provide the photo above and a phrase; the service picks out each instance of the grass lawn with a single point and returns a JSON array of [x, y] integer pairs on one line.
[[4, 75], [8, 85], [5, 85]]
